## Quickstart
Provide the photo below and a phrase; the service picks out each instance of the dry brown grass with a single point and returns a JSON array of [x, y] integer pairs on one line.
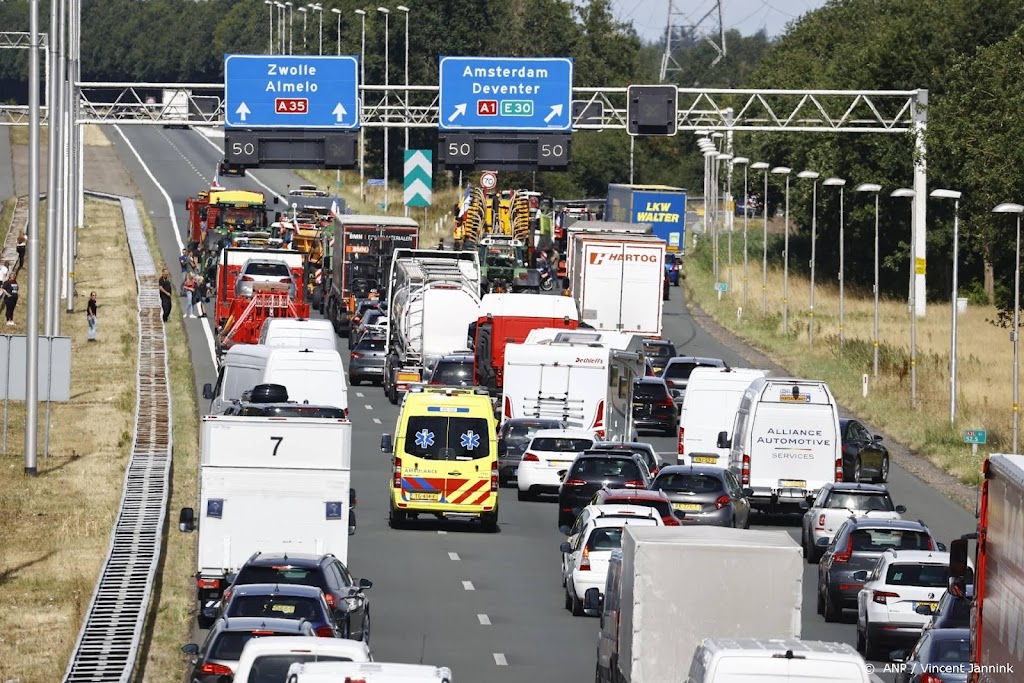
[[985, 356], [94, 136]]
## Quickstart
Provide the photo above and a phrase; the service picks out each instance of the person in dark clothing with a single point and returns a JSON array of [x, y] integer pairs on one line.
[[200, 296], [10, 290], [165, 293], [90, 316], [22, 243]]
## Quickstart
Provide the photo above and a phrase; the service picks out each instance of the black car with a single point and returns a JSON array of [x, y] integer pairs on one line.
[[653, 406], [644, 450], [857, 546], [677, 372], [593, 470], [658, 352], [455, 370], [513, 438], [864, 454], [953, 611], [223, 646], [343, 593], [945, 651]]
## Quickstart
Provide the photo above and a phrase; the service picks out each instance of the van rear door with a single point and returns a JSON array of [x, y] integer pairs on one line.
[[453, 452], [777, 669]]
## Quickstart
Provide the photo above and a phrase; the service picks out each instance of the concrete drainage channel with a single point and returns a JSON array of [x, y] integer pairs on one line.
[[108, 643]]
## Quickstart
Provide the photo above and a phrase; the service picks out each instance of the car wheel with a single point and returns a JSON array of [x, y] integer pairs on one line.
[[883, 475], [568, 600], [821, 602], [366, 627], [396, 519], [803, 547], [524, 495], [354, 381], [598, 678], [871, 650], [671, 430], [489, 522], [857, 472], [832, 612], [392, 395], [577, 604], [860, 639], [204, 623]]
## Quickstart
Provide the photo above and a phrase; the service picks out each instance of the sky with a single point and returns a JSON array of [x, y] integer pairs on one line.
[[649, 17]]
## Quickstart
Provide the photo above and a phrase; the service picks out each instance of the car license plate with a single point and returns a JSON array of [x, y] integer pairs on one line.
[[424, 496], [793, 483], [689, 507], [704, 460], [559, 462]]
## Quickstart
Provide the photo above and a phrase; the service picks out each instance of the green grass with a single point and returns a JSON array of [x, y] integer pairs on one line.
[[6, 212]]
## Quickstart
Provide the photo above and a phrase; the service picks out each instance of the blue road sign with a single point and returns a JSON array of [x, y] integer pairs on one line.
[[291, 91], [505, 93]]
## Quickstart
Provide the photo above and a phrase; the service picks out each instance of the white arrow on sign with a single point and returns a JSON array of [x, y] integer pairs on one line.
[[339, 112], [243, 111], [460, 109], [417, 188], [556, 110]]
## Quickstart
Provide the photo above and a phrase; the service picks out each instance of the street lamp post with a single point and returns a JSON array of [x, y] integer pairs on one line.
[[728, 195], [387, 13], [783, 170], [291, 33], [270, 7], [304, 11], [911, 194], [337, 11], [405, 10], [362, 129], [955, 196], [281, 34], [317, 7], [872, 187], [813, 175], [744, 162], [1017, 209], [709, 152], [841, 184]]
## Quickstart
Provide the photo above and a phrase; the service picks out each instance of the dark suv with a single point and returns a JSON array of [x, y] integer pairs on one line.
[[345, 595], [592, 471], [455, 370], [222, 649], [654, 407], [513, 438], [857, 545], [658, 352], [953, 611]]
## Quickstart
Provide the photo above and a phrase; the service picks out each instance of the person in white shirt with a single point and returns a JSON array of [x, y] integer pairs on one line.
[[4, 271]]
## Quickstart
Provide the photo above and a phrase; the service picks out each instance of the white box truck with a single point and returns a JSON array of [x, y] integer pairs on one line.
[[617, 281], [175, 108], [712, 398], [743, 584], [582, 377], [268, 485]]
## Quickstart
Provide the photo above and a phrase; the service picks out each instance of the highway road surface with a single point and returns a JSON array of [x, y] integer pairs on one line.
[[487, 605]]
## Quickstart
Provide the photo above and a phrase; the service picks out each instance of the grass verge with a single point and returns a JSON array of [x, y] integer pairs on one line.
[[57, 525], [984, 357], [170, 617], [6, 212]]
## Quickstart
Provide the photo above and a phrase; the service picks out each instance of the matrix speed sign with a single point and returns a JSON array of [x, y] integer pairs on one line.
[[488, 180]]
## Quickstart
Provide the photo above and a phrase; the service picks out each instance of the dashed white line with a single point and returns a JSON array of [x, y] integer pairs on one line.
[[376, 420], [442, 532], [454, 557], [468, 585], [360, 394], [499, 659], [484, 619], [368, 406]]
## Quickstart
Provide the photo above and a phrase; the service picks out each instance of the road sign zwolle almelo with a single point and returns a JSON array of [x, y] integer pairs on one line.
[[291, 91], [418, 177], [505, 93]]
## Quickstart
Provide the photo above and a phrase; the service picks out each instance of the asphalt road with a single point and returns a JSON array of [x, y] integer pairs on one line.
[[487, 605]]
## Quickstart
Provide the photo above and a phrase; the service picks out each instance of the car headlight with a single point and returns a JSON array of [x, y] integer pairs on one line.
[[354, 602]]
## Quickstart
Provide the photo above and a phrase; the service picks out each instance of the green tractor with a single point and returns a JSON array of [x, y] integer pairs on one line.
[[504, 266]]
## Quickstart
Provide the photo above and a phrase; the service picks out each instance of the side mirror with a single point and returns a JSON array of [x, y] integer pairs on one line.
[[276, 199], [822, 542], [924, 610], [723, 440], [209, 612], [365, 584], [877, 437], [386, 444], [901, 509], [502, 448], [958, 567], [190, 649], [564, 530], [593, 601], [898, 656], [748, 492], [565, 547], [861, 575], [208, 391], [942, 547], [187, 520]]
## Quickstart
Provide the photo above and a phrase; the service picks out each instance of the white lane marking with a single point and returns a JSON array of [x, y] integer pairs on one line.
[[360, 394], [248, 174], [441, 532], [468, 585], [376, 420], [454, 557], [177, 232], [202, 176], [368, 406], [484, 619], [499, 659]]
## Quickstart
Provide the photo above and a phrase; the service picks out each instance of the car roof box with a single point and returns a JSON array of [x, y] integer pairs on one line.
[[268, 393]]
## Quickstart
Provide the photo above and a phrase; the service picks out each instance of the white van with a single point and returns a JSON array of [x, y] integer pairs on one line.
[[786, 442], [712, 399], [310, 375], [373, 672], [742, 660], [298, 333], [267, 660]]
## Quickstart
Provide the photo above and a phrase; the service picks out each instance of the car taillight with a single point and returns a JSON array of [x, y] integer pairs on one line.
[[821, 523], [846, 553], [530, 457], [227, 596], [576, 482], [508, 407], [931, 544], [396, 480], [722, 501], [585, 560], [670, 521], [682, 431], [494, 476], [745, 470], [667, 403], [634, 484], [330, 600], [355, 355], [880, 596], [209, 583], [216, 670], [839, 469], [324, 632], [246, 278], [286, 280]]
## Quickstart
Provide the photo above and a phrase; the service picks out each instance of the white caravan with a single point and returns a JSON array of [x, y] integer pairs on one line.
[[712, 399]]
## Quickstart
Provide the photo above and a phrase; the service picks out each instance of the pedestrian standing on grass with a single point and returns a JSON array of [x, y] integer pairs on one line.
[[165, 293], [10, 290], [189, 286], [4, 272], [90, 316], [22, 243]]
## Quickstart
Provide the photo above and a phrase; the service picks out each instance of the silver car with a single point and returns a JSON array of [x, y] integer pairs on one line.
[[264, 271], [366, 361], [219, 654], [708, 496]]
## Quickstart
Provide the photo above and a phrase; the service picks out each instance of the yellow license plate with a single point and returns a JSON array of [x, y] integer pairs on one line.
[[407, 377], [932, 605], [424, 496], [793, 483], [704, 460], [690, 507]]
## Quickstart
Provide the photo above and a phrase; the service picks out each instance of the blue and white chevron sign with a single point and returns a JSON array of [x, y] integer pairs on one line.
[[418, 177]]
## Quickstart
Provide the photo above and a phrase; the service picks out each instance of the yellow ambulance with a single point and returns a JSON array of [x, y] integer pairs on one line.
[[444, 456]]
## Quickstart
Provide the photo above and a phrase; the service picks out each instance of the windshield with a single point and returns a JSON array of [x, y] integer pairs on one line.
[[688, 483], [560, 444], [236, 216], [229, 644], [878, 540], [276, 606], [500, 257], [658, 351], [301, 576], [649, 390], [267, 269], [375, 344], [926, 575], [605, 538], [860, 501], [454, 374], [600, 468], [274, 668], [520, 433], [662, 506], [447, 438], [683, 370]]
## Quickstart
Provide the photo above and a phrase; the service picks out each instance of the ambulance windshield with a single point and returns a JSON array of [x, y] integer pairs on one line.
[[439, 437]]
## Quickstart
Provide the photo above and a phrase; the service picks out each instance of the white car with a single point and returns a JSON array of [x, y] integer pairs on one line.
[[588, 555], [901, 583], [548, 455], [835, 504], [614, 511], [268, 659]]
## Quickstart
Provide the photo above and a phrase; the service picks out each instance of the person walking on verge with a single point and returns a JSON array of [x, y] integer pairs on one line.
[[189, 286], [10, 290], [90, 316], [165, 293], [22, 243]]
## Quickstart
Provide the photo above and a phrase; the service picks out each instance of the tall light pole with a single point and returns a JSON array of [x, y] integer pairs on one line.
[[840, 183], [812, 175], [785, 171], [710, 153], [362, 129], [911, 194], [744, 162], [875, 188], [304, 11], [317, 7], [291, 23], [764, 166], [726, 157], [405, 10], [270, 45], [716, 138], [387, 13], [1017, 209], [955, 196], [282, 43], [337, 11]]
